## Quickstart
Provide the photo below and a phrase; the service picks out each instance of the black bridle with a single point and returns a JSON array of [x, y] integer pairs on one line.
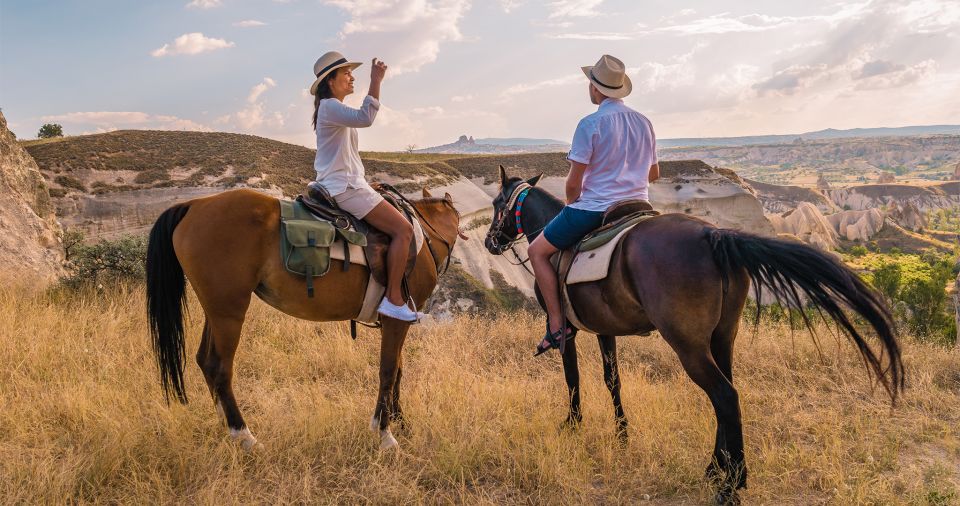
[[498, 235]]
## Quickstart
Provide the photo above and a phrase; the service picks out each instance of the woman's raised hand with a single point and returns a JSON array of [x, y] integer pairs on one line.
[[378, 70]]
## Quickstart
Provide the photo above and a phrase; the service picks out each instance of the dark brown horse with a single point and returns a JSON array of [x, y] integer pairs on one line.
[[689, 280], [227, 246]]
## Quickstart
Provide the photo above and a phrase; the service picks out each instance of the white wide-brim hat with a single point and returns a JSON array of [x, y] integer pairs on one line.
[[609, 76], [326, 64]]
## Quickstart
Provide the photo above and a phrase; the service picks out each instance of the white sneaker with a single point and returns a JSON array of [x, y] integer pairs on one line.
[[402, 313]]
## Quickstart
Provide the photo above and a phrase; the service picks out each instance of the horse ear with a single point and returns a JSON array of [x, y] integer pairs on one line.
[[426, 193], [448, 197], [503, 176], [535, 179]]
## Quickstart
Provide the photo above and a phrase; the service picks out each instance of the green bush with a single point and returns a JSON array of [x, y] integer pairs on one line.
[[70, 182], [107, 261], [858, 250], [917, 284]]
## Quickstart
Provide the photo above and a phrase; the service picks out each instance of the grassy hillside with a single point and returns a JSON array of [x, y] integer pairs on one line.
[[82, 419]]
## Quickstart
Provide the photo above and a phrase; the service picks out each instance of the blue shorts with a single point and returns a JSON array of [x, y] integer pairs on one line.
[[567, 228]]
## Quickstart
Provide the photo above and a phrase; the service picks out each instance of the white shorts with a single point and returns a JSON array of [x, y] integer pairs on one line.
[[358, 201]]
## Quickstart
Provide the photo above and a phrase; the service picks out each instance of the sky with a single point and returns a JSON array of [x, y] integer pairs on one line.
[[484, 68]]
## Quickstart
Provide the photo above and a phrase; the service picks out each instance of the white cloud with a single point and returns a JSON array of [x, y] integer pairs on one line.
[[462, 98], [521, 88], [112, 120], [595, 36], [574, 8], [509, 5], [204, 4], [191, 43], [878, 74], [254, 115], [407, 34], [248, 23]]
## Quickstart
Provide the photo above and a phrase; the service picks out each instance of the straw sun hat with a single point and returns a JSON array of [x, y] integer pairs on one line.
[[610, 77], [326, 64]]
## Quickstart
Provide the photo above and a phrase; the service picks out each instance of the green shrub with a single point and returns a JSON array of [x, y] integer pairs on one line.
[[107, 261], [70, 182], [858, 250], [151, 176]]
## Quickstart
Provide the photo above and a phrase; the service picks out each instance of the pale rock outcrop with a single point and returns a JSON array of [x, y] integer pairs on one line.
[[870, 196], [778, 199], [908, 216], [807, 224], [857, 225], [30, 246], [822, 183]]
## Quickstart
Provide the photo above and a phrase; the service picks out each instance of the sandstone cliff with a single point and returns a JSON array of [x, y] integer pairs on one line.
[[807, 224], [30, 245], [857, 225]]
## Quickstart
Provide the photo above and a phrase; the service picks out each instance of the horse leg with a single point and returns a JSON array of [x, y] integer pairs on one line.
[[217, 350], [397, 415], [571, 373], [703, 370], [392, 335], [611, 376], [721, 347]]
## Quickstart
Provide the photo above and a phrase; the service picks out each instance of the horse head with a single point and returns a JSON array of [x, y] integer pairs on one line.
[[504, 230], [441, 222]]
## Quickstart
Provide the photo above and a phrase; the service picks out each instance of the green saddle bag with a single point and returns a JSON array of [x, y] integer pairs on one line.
[[305, 241]]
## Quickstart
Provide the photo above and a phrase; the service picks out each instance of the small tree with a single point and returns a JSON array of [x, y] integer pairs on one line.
[[50, 130], [411, 148]]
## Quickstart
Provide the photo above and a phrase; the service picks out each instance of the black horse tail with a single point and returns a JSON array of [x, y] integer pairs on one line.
[[166, 299], [784, 266]]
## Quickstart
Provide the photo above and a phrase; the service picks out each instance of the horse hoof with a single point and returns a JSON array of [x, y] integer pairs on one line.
[[246, 440], [387, 441]]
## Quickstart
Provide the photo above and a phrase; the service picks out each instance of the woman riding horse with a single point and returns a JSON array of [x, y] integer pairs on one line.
[[228, 247], [341, 173]]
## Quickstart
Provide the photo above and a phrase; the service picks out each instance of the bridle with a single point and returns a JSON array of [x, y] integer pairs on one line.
[[497, 232]]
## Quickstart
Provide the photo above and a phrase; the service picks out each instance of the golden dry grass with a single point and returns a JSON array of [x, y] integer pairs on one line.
[[82, 419]]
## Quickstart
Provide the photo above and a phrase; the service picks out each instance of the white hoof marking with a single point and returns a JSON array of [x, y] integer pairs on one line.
[[245, 438], [374, 423], [387, 441]]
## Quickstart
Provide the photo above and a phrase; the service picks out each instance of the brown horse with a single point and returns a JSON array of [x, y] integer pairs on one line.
[[689, 280], [227, 245]]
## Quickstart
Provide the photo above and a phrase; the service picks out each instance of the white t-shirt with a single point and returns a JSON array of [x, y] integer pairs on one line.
[[338, 162], [618, 146]]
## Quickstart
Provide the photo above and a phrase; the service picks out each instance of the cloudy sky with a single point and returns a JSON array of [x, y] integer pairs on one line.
[[486, 68]]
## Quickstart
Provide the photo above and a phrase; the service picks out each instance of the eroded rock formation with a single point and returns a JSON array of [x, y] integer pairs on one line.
[[807, 224], [30, 247]]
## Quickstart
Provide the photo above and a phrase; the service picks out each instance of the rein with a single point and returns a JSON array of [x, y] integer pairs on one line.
[[426, 237]]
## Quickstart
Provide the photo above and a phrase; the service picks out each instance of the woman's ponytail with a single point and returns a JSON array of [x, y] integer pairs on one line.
[[323, 91]]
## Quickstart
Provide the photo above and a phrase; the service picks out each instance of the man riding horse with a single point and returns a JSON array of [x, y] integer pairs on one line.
[[613, 157]]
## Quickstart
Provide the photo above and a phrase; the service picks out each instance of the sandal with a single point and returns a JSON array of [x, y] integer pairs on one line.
[[554, 338]]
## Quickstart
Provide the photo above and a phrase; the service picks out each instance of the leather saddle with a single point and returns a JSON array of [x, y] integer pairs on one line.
[[322, 205]]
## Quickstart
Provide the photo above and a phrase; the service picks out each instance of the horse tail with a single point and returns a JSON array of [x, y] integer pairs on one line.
[[166, 299], [784, 266]]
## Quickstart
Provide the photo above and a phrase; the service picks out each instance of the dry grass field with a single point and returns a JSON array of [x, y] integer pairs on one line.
[[82, 417]]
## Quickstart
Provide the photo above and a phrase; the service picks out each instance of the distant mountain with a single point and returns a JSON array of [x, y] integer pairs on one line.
[[468, 145], [830, 133], [519, 141]]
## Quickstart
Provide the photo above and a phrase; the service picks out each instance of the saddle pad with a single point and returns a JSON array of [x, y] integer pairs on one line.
[[594, 265]]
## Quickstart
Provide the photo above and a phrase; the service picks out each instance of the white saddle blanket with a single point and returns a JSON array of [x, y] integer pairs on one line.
[[594, 265]]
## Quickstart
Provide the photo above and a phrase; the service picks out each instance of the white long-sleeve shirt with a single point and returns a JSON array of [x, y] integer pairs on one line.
[[338, 162]]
